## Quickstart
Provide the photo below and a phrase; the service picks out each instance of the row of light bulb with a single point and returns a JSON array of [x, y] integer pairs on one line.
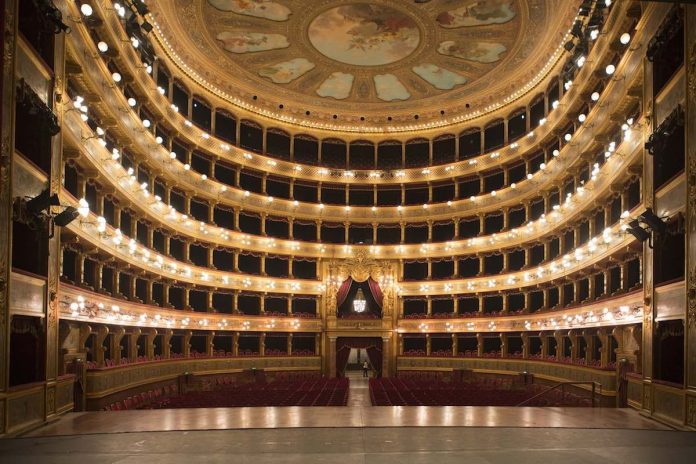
[[529, 228], [94, 309], [172, 155], [554, 269], [623, 314], [625, 38]]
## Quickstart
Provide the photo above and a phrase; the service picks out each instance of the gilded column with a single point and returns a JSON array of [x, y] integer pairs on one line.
[[690, 135]]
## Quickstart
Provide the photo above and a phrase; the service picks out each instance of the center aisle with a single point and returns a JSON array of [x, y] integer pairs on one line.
[[359, 393]]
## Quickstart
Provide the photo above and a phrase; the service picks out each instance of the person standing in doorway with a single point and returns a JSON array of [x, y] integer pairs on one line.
[[365, 368]]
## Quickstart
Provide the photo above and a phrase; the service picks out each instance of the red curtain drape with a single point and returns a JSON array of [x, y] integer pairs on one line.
[[342, 355], [343, 291], [376, 291], [375, 355], [372, 345]]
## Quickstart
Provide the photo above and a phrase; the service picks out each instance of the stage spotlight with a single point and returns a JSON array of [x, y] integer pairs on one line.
[[637, 231], [655, 222], [569, 45], [147, 27], [42, 201], [141, 7], [68, 215]]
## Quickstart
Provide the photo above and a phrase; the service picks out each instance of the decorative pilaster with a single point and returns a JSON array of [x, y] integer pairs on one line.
[[690, 136]]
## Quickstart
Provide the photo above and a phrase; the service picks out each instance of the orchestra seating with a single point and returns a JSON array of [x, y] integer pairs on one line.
[[226, 393], [490, 391]]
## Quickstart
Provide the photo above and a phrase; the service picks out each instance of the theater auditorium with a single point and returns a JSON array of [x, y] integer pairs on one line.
[[348, 231]]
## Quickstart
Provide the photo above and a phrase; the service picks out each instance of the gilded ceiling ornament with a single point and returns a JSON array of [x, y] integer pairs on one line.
[[365, 55]]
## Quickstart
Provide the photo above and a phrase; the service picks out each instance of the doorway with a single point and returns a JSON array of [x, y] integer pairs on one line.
[[356, 362], [353, 352]]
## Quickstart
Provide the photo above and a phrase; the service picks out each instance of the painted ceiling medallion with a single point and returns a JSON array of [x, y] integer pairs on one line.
[[478, 13], [364, 65], [438, 77], [247, 42], [364, 35], [337, 85], [260, 8], [287, 71], [482, 52], [389, 88]]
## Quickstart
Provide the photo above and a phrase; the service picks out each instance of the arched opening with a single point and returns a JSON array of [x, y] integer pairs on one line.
[[371, 345], [351, 293]]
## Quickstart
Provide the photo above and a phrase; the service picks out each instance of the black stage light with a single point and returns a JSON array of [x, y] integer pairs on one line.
[[147, 27], [655, 222], [141, 7], [67, 216], [577, 29], [637, 231], [569, 45], [42, 201]]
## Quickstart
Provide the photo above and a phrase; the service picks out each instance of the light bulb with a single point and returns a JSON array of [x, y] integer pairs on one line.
[[625, 38], [116, 77], [86, 9], [582, 117], [83, 208], [610, 69], [595, 96], [103, 47], [132, 102], [146, 123]]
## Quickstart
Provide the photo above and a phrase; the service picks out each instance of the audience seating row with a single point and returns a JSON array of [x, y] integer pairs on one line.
[[143, 400], [487, 391], [227, 393]]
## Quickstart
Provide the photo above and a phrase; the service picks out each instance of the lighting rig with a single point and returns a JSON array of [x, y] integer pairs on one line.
[[37, 212], [644, 227]]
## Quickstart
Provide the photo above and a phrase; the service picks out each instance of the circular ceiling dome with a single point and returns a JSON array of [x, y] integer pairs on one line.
[[365, 66], [364, 35]]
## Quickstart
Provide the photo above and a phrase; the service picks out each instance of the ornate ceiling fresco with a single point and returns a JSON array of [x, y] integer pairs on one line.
[[394, 65]]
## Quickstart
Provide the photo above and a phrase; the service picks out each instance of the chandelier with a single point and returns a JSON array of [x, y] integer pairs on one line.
[[359, 302]]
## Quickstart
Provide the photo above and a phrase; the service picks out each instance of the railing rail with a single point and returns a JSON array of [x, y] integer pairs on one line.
[[593, 385]]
